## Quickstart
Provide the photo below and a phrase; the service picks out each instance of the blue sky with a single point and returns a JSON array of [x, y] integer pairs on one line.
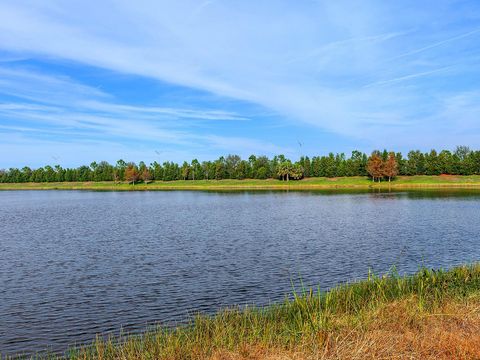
[[176, 80]]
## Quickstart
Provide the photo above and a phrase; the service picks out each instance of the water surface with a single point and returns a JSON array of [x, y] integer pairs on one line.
[[77, 263]]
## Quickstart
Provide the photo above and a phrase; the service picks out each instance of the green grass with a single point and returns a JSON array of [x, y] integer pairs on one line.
[[402, 182], [308, 322]]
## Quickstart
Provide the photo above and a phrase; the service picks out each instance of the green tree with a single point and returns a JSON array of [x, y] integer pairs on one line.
[[416, 163], [59, 173], [231, 166], [261, 173], [185, 170], [297, 171], [120, 169], [243, 169], [306, 164], [50, 175], [27, 174], [316, 166], [445, 162], [220, 168], [195, 168], [432, 164], [330, 165], [283, 170], [157, 170]]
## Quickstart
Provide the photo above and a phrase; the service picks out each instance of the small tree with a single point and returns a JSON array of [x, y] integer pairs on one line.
[[390, 168], [375, 166], [283, 170], [195, 166], [261, 173], [296, 172], [185, 170], [131, 173], [116, 176], [146, 175], [286, 171]]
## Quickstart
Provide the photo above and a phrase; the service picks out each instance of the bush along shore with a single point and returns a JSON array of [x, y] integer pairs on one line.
[[429, 315]]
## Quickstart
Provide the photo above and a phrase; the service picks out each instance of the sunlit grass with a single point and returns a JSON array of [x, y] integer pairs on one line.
[[269, 184], [429, 314]]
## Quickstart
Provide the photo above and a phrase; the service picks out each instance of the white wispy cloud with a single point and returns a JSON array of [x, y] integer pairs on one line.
[[436, 44], [48, 106], [407, 77], [165, 111]]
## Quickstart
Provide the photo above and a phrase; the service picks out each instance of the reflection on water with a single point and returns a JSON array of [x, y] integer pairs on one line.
[[73, 264]]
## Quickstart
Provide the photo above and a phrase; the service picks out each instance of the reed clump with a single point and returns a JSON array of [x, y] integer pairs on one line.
[[432, 314]]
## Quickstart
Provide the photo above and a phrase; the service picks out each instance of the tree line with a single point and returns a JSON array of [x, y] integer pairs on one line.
[[379, 165]]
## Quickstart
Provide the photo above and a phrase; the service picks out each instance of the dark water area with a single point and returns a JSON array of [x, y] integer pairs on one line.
[[74, 264]]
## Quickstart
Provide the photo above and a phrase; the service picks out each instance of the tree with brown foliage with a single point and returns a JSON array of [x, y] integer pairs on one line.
[[390, 168], [131, 174], [146, 175], [375, 166]]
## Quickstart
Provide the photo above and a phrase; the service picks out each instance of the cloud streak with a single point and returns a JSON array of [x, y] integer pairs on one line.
[[407, 77], [45, 107], [436, 44]]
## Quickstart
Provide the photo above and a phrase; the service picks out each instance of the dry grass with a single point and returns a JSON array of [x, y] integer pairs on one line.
[[398, 330]]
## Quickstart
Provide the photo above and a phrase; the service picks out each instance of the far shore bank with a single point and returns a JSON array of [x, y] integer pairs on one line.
[[353, 183]]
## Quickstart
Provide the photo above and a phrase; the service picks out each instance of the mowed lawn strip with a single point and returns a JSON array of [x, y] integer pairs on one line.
[[401, 182]]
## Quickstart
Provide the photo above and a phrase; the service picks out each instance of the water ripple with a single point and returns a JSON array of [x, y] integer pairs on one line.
[[74, 264]]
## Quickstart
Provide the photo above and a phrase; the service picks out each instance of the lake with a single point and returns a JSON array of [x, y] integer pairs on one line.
[[77, 263]]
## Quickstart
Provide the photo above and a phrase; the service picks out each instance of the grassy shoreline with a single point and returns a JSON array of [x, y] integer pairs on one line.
[[429, 315], [360, 183]]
